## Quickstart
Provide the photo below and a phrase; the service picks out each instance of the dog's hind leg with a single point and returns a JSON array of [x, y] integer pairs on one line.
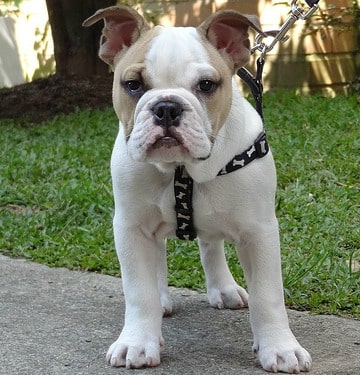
[[222, 290]]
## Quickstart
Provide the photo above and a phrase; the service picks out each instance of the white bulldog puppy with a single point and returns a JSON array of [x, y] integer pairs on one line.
[[178, 105]]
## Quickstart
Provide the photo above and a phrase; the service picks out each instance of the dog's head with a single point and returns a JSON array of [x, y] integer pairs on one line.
[[172, 87]]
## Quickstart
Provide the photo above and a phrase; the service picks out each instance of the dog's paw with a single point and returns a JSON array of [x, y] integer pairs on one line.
[[231, 296], [135, 352], [286, 356], [166, 303]]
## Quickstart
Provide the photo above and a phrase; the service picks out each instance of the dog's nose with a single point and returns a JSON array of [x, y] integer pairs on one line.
[[167, 113]]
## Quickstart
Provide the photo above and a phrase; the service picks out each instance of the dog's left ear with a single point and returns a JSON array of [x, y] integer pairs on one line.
[[227, 31], [123, 27]]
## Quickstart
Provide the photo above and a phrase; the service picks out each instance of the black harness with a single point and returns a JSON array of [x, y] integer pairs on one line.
[[183, 183]]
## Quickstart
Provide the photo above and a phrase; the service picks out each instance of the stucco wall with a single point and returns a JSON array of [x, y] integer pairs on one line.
[[26, 47], [316, 57]]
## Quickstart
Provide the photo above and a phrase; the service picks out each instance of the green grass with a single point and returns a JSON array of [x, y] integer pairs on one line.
[[56, 201]]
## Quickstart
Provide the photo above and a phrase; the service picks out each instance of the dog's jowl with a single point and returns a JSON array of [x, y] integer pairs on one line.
[[178, 106]]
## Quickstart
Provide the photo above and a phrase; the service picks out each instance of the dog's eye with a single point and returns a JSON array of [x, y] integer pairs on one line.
[[134, 87], [206, 86]]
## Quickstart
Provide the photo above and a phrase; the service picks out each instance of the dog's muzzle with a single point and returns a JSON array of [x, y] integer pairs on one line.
[[167, 115]]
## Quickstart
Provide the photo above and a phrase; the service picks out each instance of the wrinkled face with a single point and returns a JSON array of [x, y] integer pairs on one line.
[[172, 93]]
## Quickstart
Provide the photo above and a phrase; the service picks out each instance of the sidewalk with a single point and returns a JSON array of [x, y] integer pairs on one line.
[[56, 321]]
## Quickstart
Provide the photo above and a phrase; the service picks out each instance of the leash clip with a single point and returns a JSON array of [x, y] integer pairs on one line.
[[296, 13], [313, 7]]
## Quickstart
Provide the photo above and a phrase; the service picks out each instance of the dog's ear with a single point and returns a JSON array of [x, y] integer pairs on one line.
[[123, 26], [227, 31]]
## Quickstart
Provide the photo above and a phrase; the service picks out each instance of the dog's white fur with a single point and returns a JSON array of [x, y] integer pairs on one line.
[[238, 207]]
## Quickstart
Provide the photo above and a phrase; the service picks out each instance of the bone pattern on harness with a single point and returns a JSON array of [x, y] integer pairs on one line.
[[258, 150], [183, 186]]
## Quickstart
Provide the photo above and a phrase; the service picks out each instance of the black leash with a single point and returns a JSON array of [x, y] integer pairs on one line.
[[255, 84]]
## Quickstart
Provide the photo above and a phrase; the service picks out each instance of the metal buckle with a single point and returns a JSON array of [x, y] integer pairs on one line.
[[280, 35]]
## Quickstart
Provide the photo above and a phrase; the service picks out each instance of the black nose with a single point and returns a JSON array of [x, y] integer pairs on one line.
[[167, 113]]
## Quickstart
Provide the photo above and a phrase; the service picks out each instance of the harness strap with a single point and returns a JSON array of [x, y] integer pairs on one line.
[[258, 150], [183, 186]]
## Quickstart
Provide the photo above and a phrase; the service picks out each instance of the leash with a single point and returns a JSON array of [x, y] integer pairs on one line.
[[183, 183], [255, 83]]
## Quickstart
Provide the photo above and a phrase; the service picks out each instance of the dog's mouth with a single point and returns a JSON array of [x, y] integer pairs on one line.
[[169, 139], [167, 142]]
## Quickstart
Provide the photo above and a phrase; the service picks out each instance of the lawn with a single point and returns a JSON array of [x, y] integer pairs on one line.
[[56, 202]]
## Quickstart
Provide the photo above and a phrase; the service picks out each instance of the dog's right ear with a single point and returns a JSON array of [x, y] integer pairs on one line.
[[227, 31], [123, 26]]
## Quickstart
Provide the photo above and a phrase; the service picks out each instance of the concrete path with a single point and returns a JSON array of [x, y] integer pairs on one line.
[[56, 321]]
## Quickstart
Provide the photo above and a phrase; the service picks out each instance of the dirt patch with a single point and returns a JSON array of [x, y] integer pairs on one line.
[[17, 209], [45, 98]]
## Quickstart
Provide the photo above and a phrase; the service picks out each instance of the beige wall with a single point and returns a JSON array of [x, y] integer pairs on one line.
[[26, 49], [326, 59]]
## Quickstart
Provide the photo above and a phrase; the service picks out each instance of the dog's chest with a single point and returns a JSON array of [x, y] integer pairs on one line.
[[214, 213]]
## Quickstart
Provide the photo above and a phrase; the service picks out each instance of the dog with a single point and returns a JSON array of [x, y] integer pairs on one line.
[[179, 107]]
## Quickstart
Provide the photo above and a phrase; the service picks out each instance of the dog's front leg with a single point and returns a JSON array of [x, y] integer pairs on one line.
[[140, 340], [162, 278], [274, 343], [222, 289]]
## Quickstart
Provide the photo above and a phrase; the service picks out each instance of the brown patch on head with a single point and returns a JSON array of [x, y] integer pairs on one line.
[[219, 104], [225, 36], [227, 31], [130, 65]]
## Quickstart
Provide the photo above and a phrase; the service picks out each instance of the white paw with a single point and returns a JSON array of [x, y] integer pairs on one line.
[[135, 351], [230, 296], [285, 356]]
